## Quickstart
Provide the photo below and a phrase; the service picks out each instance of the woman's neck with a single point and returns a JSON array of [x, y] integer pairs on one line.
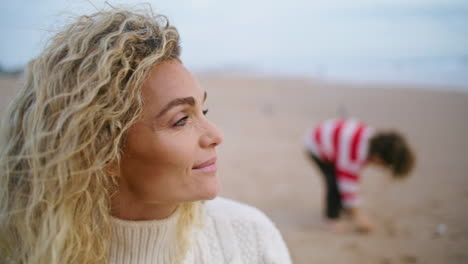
[[127, 207]]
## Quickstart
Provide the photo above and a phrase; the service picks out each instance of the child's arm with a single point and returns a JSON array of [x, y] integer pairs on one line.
[[348, 183]]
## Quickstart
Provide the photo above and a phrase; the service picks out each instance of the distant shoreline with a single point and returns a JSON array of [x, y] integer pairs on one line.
[[352, 82]]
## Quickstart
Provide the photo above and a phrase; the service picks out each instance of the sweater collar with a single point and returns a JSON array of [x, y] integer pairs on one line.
[[148, 241]]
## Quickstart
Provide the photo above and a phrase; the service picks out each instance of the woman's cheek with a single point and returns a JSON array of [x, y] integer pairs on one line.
[[179, 149]]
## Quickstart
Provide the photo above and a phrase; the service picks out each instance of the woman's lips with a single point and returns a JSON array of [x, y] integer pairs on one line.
[[207, 166]]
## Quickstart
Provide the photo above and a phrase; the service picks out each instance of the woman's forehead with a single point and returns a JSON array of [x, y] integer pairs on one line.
[[171, 80]]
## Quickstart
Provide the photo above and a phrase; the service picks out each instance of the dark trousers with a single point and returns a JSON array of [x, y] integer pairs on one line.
[[333, 204]]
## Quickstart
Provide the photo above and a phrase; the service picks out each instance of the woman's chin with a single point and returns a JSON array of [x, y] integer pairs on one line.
[[209, 190]]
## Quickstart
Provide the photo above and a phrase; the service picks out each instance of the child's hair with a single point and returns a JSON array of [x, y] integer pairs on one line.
[[393, 151], [66, 124]]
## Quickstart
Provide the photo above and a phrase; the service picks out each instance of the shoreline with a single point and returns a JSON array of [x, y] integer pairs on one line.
[[352, 83]]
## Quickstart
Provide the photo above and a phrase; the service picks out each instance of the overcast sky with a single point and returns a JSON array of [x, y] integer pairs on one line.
[[215, 31]]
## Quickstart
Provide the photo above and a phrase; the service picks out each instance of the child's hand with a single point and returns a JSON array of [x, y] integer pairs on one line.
[[363, 224], [361, 220]]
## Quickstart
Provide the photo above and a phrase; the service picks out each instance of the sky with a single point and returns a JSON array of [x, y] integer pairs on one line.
[[295, 36]]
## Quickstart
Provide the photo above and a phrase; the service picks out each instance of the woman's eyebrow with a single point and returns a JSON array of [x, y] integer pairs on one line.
[[179, 101]]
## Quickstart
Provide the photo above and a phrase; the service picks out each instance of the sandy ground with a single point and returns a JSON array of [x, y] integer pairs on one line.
[[262, 163]]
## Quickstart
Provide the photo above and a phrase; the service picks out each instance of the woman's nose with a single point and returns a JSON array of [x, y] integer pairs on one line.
[[212, 136]]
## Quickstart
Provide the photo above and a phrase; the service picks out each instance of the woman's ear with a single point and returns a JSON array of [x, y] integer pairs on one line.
[[112, 169]]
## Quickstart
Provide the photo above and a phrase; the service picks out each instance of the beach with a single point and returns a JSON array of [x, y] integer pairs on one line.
[[262, 163], [422, 219]]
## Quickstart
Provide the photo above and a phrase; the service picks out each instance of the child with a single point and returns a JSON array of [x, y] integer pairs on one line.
[[341, 148]]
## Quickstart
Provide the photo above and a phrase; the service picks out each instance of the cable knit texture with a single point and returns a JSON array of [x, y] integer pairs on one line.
[[232, 232]]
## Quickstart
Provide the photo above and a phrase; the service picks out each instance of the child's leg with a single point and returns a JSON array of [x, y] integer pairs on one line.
[[333, 204]]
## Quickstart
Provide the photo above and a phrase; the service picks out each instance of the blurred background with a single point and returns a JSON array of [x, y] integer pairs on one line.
[[419, 41], [274, 68]]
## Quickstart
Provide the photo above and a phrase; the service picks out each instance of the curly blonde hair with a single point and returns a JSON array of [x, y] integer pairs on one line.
[[67, 123]]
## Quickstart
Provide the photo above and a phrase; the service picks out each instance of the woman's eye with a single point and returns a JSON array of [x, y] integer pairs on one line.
[[182, 121]]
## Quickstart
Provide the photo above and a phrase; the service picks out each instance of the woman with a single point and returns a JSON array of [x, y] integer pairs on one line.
[[107, 156]]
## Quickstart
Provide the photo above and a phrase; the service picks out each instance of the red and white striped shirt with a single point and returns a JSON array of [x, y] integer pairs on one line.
[[344, 143]]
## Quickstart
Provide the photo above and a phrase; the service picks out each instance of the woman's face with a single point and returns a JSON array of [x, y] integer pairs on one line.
[[170, 153]]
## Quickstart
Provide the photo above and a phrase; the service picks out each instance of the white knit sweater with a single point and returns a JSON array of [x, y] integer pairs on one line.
[[232, 232]]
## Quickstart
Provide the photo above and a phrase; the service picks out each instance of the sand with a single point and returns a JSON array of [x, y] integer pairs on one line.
[[261, 162]]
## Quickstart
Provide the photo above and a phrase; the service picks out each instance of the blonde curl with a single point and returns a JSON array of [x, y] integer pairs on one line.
[[65, 125]]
